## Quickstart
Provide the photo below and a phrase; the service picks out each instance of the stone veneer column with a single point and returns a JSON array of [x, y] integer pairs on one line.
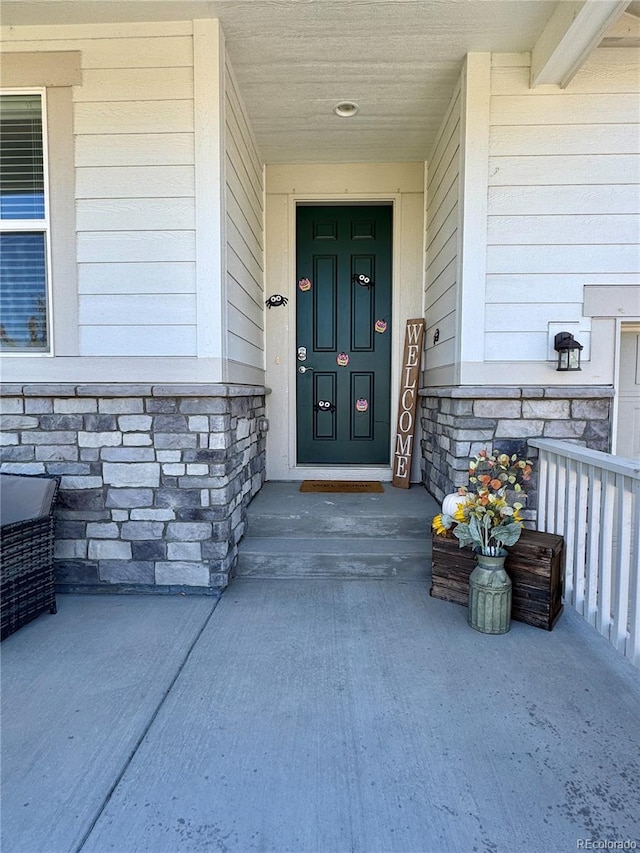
[[155, 479], [457, 422]]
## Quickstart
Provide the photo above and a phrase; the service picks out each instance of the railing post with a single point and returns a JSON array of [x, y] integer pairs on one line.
[[593, 544], [621, 565], [561, 503], [569, 533], [633, 645], [542, 491], [605, 561], [580, 537]]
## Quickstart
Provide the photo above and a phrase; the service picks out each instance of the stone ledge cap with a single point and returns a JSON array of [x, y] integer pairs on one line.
[[133, 390], [507, 392], [472, 392], [209, 390], [581, 391]]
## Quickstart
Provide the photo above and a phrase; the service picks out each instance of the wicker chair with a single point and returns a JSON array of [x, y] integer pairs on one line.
[[26, 549]]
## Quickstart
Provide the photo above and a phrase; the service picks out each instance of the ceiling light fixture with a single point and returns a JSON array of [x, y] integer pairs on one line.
[[346, 109]]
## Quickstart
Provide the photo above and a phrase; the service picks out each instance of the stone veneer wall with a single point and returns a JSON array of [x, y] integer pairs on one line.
[[457, 422], [155, 479]]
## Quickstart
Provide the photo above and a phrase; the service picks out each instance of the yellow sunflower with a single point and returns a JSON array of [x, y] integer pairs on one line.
[[460, 514], [438, 526]]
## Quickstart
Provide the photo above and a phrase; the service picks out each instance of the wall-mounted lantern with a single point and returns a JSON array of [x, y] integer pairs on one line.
[[568, 350]]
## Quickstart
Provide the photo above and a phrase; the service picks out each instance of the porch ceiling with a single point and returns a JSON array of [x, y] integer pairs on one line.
[[398, 60]]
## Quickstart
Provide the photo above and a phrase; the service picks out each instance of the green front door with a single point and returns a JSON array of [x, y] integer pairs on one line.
[[343, 334]]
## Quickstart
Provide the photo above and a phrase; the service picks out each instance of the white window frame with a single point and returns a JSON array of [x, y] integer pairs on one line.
[[55, 72], [38, 226]]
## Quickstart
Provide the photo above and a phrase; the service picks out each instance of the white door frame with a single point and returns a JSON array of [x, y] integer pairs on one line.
[[279, 468], [622, 326]]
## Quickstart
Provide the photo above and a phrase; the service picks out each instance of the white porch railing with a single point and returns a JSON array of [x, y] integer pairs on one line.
[[593, 500]]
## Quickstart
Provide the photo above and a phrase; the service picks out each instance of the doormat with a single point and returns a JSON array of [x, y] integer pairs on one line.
[[351, 486]]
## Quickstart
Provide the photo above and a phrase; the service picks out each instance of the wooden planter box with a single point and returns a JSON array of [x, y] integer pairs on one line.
[[535, 565]]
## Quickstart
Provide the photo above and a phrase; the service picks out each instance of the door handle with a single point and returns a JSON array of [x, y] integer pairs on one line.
[[304, 369]]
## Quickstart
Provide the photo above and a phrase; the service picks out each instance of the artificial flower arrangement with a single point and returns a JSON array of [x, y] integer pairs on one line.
[[487, 519]]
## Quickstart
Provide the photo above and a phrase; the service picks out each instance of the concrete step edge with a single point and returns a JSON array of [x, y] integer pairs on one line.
[[324, 565], [335, 546]]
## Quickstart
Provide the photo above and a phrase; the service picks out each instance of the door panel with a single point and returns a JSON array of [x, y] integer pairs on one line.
[[362, 422], [343, 393], [324, 422]]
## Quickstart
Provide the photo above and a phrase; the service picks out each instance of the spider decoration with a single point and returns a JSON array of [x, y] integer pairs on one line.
[[362, 280], [276, 301], [324, 406]]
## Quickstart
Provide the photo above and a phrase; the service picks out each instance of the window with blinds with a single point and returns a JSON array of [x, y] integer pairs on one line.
[[24, 227]]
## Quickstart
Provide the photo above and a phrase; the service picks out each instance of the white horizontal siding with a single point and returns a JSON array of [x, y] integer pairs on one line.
[[573, 139], [554, 200], [137, 246], [444, 256], [500, 317], [159, 51], [243, 352], [583, 169], [564, 198], [442, 239], [244, 237], [139, 310], [443, 283], [248, 271], [247, 305], [135, 190], [551, 259], [548, 109], [243, 216], [558, 229], [141, 149], [524, 288], [129, 30], [505, 346], [442, 356], [134, 117], [122, 340], [135, 85], [443, 235], [135, 214], [244, 327], [134, 278], [140, 181]]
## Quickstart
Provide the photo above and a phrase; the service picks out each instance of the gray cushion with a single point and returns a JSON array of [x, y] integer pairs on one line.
[[22, 498]]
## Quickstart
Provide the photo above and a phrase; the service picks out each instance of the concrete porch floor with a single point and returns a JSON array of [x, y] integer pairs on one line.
[[312, 716]]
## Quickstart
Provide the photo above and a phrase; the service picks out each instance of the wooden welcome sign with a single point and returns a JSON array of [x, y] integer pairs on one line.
[[408, 403]]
